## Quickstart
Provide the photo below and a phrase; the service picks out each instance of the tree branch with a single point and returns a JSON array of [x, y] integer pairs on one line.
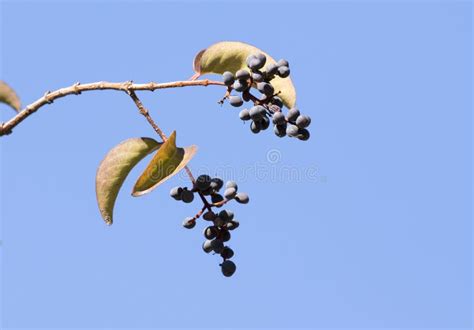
[[49, 97], [144, 111]]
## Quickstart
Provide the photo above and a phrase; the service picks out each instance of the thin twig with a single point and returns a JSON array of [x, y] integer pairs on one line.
[[77, 88], [144, 111]]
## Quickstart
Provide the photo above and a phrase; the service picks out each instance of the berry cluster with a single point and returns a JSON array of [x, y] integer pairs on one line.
[[223, 222], [268, 104]]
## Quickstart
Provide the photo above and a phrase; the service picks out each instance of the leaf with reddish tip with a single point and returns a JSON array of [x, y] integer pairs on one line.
[[115, 167], [8, 96], [232, 56], [167, 161]]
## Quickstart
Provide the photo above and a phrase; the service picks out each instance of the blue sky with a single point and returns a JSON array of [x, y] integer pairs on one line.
[[373, 230]]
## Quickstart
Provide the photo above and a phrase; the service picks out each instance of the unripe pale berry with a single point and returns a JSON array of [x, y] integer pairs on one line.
[[231, 184], [255, 127], [242, 198], [216, 184], [189, 223], [230, 193]]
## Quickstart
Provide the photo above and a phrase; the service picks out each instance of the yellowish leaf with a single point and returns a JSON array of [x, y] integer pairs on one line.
[[231, 56], [8, 96], [115, 167], [167, 161]]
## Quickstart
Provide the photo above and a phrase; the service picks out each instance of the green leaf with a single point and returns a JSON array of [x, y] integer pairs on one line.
[[8, 96], [115, 167], [231, 56], [168, 161]]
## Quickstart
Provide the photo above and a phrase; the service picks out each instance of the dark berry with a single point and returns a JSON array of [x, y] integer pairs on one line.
[[226, 215], [231, 225], [225, 236], [283, 71], [283, 63], [217, 245], [244, 114], [216, 184], [257, 76], [228, 268], [203, 182], [240, 85], [271, 69], [265, 123], [280, 130], [227, 253], [207, 246], [210, 232], [228, 78], [219, 222], [292, 114], [303, 121], [242, 75], [209, 216], [216, 198], [176, 193], [278, 118], [265, 88], [255, 127], [292, 130], [187, 196]]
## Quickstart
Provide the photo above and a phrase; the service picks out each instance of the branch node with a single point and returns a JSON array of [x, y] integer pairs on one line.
[[47, 97], [76, 88], [127, 85]]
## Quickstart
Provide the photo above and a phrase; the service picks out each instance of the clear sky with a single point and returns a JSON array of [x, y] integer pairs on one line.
[[372, 230]]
